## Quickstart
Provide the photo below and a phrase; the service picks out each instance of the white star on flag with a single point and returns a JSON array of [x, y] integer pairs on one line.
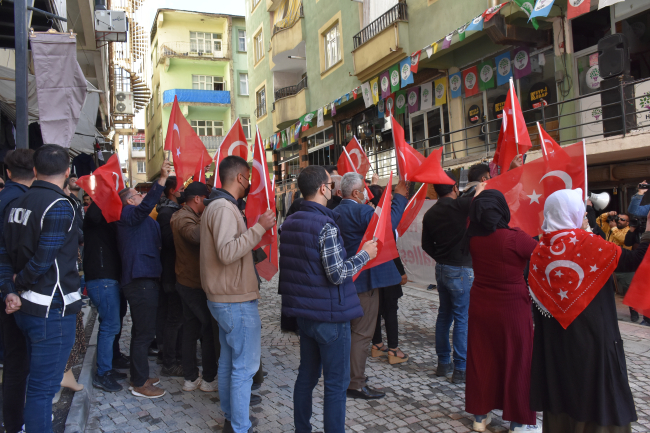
[[534, 267], [541, 243], [178, 151], [573, 241], [600, 249], [593, 268], [534, 198], [563, 295], [559, 273], [578, 255]]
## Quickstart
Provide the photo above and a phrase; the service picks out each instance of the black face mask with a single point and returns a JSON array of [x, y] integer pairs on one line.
[[246, 190], [182, 198]]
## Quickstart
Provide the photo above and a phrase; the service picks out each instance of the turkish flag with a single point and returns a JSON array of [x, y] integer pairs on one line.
[[431, 170], [580, 7], [345, 165], [638, 295], [489, 13], [381, 229], [415, 61], [103, 186], [199, 172], [408, 159], [234, 143], [550, 148], [186, 147], [513, 137], [354, 149], [412, 209], [527, 187]]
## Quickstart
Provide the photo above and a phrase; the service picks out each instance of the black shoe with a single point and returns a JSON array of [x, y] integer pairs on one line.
[[173, 371], [106, 382], [264, 374], [634, 316], [458, 376], [122, 362], [227, 425], [255, 400], [367, 379], [256, 386], [117, 375], [366, 393], [160, 359], [645, 322], [444, 369]]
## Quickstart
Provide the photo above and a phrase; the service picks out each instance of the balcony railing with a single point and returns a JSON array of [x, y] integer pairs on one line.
[[394, 14], [277, 28], [189, 49], [291, 90], [212, 142], [260, 110]]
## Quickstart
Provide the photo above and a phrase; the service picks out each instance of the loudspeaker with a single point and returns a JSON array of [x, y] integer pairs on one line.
[[600, 201], [613, 55], [610, 100]]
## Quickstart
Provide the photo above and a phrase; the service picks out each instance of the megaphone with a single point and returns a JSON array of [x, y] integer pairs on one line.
[[600, 201]]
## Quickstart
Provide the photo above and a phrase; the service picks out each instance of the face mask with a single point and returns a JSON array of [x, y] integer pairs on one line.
[[182, 198], [246, 190]]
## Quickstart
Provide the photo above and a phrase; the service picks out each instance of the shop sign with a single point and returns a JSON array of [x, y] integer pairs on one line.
[[593, 77], [474, 114], [499, 103], [538, 95]]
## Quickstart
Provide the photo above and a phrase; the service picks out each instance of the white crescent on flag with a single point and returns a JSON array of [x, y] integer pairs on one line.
[[260, 170], [565, 264], [568, 182], [356, 152], [233, 146]]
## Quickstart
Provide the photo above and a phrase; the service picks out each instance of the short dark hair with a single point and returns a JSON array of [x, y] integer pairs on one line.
[[85, 195], [66, 183], [51, 160], [443, 190], [73, 175], [310, 179], [330, 168], [124, 194], [377, 191], [230, 168], [477, 171], [21, 164], [170, 185]]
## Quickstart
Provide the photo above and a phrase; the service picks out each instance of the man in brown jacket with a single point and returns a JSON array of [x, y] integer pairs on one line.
[[229, 280], [186, 229]]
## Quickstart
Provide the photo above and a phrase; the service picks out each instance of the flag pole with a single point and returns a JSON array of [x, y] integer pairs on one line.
[[514, 114], [541, 140], [414, 195], [350, 160], [584, 154], [258, 138]]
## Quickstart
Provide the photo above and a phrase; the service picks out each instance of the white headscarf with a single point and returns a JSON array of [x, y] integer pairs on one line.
[[564, 210]]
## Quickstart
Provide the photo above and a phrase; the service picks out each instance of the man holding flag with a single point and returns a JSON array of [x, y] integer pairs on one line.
[[354, 219]]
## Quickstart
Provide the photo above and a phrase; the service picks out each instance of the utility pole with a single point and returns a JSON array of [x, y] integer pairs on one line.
[[21, 35]]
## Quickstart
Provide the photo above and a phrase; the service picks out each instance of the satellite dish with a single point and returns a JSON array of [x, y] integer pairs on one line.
[[600, 201]]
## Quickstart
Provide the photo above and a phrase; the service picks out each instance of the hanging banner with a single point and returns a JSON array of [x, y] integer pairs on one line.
[[455, 82], [527, 6], [284, 138], [575, 8], [384, 84], [446, 42], [504, 68], [605, 3], [381, 108], [470, 81], [488, 14], [426, 96], [400, 102], [542, 9], [334, 108], [461, 32], [521, 63], [419, 266], [321, 121], [367, 95], [394, 78], [412, 99], [405, 71], [374, 87], [538, 95], [429, 51], [415, 61], [486, 75], [476, 24], [440, 91], [308, 120], [389, 107]]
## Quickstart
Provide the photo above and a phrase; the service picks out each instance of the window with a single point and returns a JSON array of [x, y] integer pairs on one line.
[[246, 125], [207, 127], [243, 83], [320, 139], [158, 94], [255, 3], [259, 46], [142, 167], [205, 43], [160, 140], [260, 99], [206, 82], [241, 35], [332, 47]]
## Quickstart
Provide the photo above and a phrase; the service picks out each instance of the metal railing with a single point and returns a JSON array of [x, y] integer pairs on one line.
[[212, 142], [398, 12], [291, 90], [260, 110], [277, 29], [189, 49]]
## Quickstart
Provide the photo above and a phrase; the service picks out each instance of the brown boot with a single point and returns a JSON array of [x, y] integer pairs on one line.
[[70, 382], [148, 391]]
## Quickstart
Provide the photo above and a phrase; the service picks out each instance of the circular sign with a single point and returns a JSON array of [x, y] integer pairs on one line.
[[406, 71], [413, 98], [538, 95], [401, 100], [308, 117], [470, 80], [504, 67], [380, 106], [454, 83], [440, 91], [521, 60], [375, 88], [474, 114], [389, 104], [593, 77], [499, 103], [486, 73], [384, 84], [414, 59], [425, 94], [394, 78], [527, 7]]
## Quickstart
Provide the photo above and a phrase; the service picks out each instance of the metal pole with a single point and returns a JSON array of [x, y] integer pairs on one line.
[[22, 119], [623, 119]]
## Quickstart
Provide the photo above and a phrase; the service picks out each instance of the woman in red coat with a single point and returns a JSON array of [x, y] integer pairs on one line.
[[500, 334]]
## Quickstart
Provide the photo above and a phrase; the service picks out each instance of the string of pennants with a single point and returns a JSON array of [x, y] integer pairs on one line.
[[386, 92]]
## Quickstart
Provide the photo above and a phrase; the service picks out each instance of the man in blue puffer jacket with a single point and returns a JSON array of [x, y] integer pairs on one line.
[[316, 287]]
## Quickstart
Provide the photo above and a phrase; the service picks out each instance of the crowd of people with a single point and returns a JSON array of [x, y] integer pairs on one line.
[[182, 258]]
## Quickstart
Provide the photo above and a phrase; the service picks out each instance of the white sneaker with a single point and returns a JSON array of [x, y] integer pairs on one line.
[[527, 429], [190, 385], [482, 426], [209, 386]]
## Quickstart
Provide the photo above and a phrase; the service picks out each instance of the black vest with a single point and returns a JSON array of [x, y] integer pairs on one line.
[[22, 233]]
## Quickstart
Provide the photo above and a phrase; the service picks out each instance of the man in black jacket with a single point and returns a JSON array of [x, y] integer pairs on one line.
[[102, 268]]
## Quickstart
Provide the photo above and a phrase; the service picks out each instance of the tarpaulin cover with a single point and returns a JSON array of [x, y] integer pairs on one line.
[[199, 96]]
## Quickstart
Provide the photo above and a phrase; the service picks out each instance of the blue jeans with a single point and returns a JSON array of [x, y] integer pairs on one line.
[[105, 294], [327, 346], [240, 335], [454, 284], [49, 342]]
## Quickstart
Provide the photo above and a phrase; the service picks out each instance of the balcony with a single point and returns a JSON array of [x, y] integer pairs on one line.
[[212, 142], [188, 50], [288, 40], [197, 97], [290, 104], [137, 152], [381, 43], [272, 5]]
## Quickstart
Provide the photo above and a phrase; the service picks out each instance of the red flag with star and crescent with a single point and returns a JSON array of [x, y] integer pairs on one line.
[[356, 152], [234, 143], [638, 295], [513, 138], [408, 159], [103, 186], [345, 165], [199, 173], [412, 209], [186, 147], [527, 187], [550, 148], [567, 270], [381, 229]]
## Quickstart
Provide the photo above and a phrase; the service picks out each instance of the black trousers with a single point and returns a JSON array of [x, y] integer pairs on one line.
[[14, 373], [116, 342], [196, 323], [388, 310], [168, 324], [142, 295]]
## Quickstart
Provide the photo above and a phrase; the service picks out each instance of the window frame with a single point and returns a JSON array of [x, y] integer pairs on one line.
[[239, 39], [259, 102], [144, 165], [328, 49], [213, 80], [239, 83], [258, 46], [213, 125], [246, 127]]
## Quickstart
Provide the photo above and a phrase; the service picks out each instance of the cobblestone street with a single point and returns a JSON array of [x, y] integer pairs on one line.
[[416, 399]]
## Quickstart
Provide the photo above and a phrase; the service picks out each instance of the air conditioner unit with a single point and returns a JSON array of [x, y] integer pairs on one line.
[[124, 102], [111, 26]]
